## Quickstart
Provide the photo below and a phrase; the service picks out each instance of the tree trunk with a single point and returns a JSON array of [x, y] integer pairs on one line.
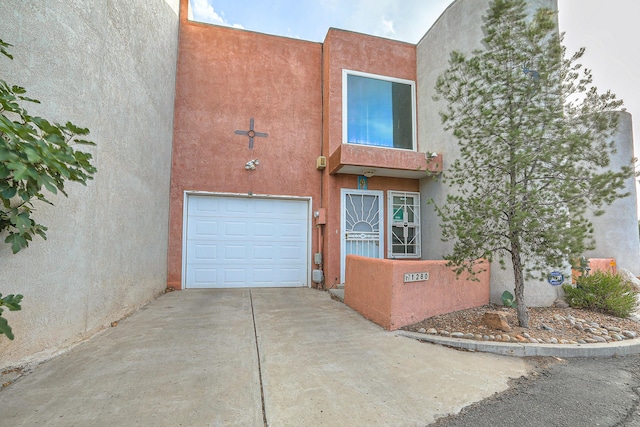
[[521, 307]]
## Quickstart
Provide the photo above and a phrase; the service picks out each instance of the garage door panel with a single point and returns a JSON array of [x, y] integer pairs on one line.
[[202, 207], [264, 253], [205, 253], [236, 229], [291, 253], [246, 242], [236, 205], [204, 227], [290, 277], [291, 230], [236, 276], [264, 229], [234, 252], [204, 276]]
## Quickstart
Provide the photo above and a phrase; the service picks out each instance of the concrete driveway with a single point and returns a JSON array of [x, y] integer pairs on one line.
[[252, 357]]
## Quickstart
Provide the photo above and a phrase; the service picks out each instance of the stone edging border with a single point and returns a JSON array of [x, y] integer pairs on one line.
[[610, 349]]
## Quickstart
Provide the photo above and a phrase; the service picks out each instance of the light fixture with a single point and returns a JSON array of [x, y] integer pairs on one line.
[[432, 155], [251, 164], [368, 173]]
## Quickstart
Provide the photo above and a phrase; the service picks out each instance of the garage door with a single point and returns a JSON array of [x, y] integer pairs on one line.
[[234, 242]]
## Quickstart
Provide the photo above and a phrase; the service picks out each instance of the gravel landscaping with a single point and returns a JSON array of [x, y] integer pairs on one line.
[[549, 325]]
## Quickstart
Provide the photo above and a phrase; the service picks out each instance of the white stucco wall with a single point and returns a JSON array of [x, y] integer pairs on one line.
[[458, 28], [616, 232], [109, 66]]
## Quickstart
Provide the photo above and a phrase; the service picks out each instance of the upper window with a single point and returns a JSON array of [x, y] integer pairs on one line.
[[378, 111]]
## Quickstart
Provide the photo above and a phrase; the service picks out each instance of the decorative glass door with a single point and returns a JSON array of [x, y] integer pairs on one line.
[[404, 225], [362, 225]]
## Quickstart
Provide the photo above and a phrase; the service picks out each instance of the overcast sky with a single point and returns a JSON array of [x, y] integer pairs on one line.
[[608, 29]]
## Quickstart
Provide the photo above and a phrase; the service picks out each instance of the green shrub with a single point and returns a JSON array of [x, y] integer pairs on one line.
[[602, 291]]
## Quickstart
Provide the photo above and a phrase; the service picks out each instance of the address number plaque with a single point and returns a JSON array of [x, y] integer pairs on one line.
[[416, 277]]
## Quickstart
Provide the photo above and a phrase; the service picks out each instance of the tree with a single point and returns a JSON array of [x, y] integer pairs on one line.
[[534, 136], [35, 155]]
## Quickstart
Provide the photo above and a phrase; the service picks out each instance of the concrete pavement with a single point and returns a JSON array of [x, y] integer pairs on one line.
[[252, 357]]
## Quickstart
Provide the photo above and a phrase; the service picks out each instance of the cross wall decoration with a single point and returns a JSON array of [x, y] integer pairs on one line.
[[251, 133]]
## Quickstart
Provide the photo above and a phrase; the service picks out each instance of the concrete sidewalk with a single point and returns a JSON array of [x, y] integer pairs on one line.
[[197, 358]]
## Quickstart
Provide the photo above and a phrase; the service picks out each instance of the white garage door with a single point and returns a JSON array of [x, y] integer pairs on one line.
[[237, 242]]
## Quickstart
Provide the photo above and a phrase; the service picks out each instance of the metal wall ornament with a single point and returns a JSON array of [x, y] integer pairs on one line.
[[251, 133]]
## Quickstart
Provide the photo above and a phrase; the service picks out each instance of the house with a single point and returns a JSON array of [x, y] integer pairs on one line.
[[231, 158], [289, 155]]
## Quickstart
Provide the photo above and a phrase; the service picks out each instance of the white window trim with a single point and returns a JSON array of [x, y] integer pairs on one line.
[[416, 225], [345, 122]]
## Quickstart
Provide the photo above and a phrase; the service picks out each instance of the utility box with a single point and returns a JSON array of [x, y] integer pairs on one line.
[[317, 276]]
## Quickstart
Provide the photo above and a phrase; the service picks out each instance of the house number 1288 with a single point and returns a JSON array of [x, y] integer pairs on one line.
[[416, 277]]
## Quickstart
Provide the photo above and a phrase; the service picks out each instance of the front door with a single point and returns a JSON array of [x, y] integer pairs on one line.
[[362, 225]]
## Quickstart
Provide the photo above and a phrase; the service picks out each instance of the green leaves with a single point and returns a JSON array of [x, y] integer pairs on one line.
[[534, 142], [12, 302], [36, 155]]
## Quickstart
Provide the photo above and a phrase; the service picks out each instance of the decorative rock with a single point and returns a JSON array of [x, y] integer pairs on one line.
[[554, 340], [533, 340], [521, 338], [597, 338], [457, 335], [629, 334], [590, 341], [469, 336], [578, 326], [613, 329], [547, 327], [572, 342], [492, 338], [477, 337], [422, 331], [580, 320], [485, 338], [607, 338], [560, 303], [594, 325], [582, 342], [432, 331], [526, 335], [444, 333], [629, 278], [617, 337], [496, 320], [563, 341]]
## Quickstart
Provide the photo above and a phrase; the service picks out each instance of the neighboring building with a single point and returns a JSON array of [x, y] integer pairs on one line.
[[108, 66], [347, 142]]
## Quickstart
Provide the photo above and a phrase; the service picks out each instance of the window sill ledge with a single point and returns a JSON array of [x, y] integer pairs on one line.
[[355, 159]]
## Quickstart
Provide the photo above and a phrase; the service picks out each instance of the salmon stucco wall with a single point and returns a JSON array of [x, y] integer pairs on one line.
[[607, 265], [376, 289], [369, 54], [225, 77]]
